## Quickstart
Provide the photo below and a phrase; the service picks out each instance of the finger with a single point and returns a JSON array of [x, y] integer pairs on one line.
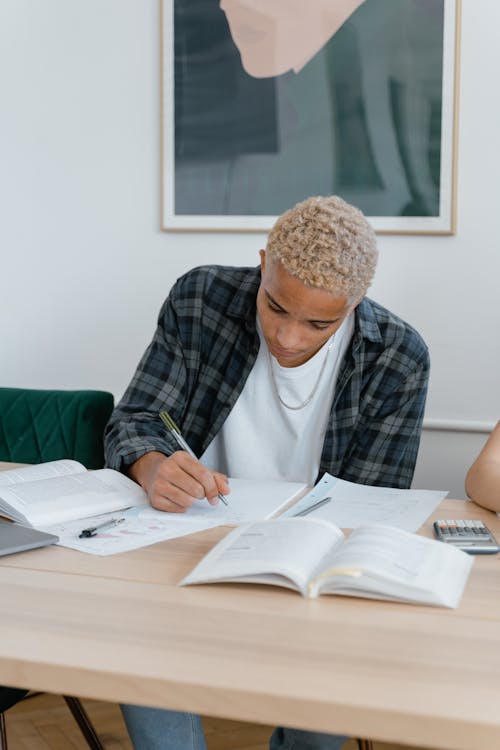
[[182, 471], [222, 483], [159, 502], [201, 474], [175, 490], [170, 490]]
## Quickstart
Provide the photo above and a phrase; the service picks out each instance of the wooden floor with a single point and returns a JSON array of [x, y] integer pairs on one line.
[[45, 723]]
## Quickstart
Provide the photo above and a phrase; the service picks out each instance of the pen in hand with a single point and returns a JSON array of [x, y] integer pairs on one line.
[[92, 531], [176, 434]]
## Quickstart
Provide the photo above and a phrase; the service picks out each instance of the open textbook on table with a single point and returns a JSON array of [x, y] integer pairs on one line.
[[58, 494], [61, 491], [314, 557]]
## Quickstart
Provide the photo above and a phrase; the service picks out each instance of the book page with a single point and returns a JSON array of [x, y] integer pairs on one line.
[[64, 498], [41, 471], [392, 563], [249, 500], [268, 552]]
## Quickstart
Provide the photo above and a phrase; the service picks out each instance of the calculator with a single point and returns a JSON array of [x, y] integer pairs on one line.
[[470, 536]]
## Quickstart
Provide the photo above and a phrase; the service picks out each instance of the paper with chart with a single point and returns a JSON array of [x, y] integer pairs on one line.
[[134, 532], [353, 505], [249, 500]]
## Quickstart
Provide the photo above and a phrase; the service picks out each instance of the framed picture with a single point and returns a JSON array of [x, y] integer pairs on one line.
[[267, 102]]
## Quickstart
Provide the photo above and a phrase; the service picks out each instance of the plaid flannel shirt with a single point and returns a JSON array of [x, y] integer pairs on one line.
[[204, 348]]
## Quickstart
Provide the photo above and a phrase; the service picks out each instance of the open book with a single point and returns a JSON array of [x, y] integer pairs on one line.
[[61, 491], [58, 492], [314, 557]]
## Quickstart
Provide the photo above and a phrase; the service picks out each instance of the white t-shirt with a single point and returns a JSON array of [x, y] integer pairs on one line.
[[263, 438]]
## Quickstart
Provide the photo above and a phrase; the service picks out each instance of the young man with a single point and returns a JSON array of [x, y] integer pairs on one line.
[[284, 371]]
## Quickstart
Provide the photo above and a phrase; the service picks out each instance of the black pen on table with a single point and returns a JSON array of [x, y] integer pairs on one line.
[[176, 433], [92, 531]]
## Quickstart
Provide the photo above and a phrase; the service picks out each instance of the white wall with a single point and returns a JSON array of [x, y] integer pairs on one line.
[[85, 267]]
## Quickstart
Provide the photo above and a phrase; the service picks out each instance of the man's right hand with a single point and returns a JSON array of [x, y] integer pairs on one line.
[[174, 482]]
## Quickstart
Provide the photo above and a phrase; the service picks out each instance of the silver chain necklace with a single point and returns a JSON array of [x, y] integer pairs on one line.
[[315, 386]]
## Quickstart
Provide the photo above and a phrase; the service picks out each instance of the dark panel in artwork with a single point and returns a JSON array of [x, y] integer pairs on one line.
[[220, 111]]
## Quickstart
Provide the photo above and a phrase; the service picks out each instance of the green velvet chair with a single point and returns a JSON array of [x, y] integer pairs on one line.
[[47, 425], [37, 426]]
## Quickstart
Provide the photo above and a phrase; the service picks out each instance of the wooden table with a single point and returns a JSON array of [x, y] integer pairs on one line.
[[118, 628]]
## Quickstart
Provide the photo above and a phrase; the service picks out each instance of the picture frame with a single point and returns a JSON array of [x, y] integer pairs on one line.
[[370, 114]]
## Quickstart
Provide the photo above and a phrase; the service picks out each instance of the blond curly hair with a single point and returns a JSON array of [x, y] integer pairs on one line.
[[326, 243]]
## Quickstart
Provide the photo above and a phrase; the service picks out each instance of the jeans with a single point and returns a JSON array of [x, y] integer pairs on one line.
[[159, 729]]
